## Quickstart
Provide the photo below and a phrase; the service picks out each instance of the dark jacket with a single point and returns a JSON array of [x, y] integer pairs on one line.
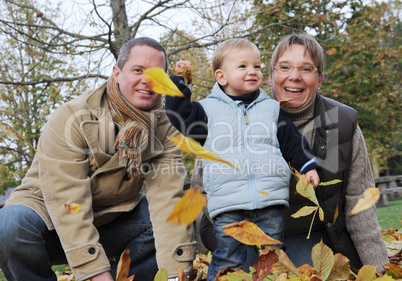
[[336, 125]]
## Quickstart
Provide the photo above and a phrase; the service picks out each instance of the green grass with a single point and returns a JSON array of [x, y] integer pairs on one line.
[[391, 215]]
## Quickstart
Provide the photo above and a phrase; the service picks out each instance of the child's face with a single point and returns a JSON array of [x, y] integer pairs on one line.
[[240, 73]]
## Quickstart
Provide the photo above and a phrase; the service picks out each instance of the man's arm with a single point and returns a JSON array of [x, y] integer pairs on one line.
[[174, 243]]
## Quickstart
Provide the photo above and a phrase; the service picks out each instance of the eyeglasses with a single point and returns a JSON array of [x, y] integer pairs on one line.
[[304, 70]]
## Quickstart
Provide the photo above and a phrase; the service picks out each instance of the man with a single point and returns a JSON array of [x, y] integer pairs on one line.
[[97, 151]]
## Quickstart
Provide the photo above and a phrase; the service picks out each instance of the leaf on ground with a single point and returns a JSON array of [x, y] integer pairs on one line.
[[188, 207], [367, 272], [160, 83], [249, 233], [323, 259], [307, 270], [230, 274], [263, 265], [284, 264], [191, 146], [394, 268], [123, 267], [73, 208], [370, 198], [304, 211], [340, 269]]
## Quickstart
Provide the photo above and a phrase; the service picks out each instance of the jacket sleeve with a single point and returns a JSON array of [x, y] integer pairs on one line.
[[63, 173], [185, 115], [294, 146], [165, 180], [363, 227]]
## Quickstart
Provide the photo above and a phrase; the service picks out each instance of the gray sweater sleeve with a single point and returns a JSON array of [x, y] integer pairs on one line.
[[363, 227]]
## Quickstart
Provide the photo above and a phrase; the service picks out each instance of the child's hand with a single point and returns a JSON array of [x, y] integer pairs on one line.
[[183, 68], [312, 175]]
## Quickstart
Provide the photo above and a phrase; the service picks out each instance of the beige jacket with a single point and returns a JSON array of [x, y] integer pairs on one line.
[[77, 163]]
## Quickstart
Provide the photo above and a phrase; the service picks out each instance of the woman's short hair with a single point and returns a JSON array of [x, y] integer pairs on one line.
[[310, 44], [228, 46], [125, 50]]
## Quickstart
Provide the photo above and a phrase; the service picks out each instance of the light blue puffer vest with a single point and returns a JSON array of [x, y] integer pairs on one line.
[[263, 175]]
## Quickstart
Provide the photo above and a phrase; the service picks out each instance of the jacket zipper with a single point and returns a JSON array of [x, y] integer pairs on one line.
[[245, 117]]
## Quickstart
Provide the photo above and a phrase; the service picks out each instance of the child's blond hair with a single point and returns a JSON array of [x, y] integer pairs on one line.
[[228, 46]]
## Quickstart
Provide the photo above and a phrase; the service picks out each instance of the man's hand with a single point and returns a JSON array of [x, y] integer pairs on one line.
[[105, 276]]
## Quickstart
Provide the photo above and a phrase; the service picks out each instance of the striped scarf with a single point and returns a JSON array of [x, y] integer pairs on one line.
[[135, 126]]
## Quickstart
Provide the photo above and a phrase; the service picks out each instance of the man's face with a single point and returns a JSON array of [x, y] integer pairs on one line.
[[131, 77]]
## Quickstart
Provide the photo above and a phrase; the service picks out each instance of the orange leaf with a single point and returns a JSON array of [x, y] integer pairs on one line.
[[123, 267], [307, 270], [249, 233], [160, 82], [336, 214], [370, 198], [283, 101], [73, 208], [187, 209], [185, 71], [189, 145], [395, 268], [264, 265]]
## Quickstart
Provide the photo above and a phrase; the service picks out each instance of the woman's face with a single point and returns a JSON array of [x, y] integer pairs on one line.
[[300, 87]]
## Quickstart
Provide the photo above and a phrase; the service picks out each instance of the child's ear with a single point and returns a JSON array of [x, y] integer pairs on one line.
[[220, 77]]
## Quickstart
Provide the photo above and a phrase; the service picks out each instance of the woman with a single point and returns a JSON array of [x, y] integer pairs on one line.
[[297, 72]]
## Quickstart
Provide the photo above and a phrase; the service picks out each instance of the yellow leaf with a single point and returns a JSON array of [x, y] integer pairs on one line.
[[73, 208], [123, 267], [370, 198], [249, 233], [264, 193], [189, 145], [161, 275], [308, 191], [323, 259], [329, 182], [321, 213], [160, 82], [305, 211], [367, 272], [341, 268], [187, 209]]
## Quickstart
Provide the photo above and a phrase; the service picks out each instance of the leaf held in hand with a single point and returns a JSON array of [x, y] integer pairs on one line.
[[370, 198], [73, 208], [249, 233], [160, 82], [304, 211], [187, 209], [189, 145]]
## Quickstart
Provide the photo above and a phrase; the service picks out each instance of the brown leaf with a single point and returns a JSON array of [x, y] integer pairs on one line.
[[263, 265], [323, 259], [123, 267], [226, 271], [188, 207], [284, 264], [185, 71], [181, 275], [249, 233], [395, 268], [39, 14], [370, 198], [283, 101], [307, 270]]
